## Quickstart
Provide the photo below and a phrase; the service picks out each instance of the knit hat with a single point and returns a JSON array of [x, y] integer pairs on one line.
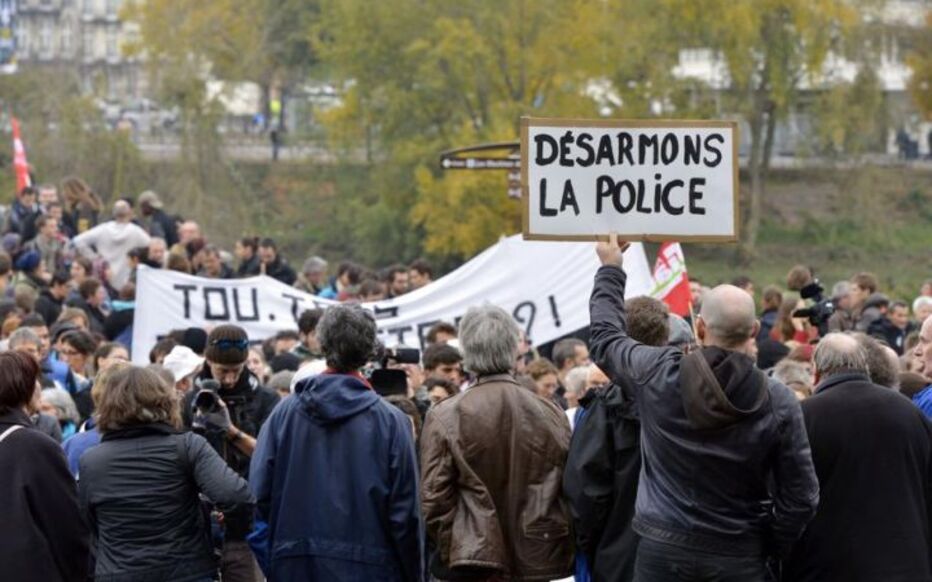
[[27, 261], [227, 345]]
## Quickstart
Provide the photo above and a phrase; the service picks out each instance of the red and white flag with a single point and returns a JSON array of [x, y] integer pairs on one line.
[[20, 165], [671, 282]]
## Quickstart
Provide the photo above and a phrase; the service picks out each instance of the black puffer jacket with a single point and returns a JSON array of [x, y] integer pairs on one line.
[[727, 466], [139, 490]]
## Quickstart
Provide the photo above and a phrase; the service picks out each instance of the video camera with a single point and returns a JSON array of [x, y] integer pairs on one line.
[[388, 381], [207, 399], [820, 311]]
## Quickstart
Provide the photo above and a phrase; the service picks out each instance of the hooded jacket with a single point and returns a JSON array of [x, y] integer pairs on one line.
[[727, 466], [335, 478]]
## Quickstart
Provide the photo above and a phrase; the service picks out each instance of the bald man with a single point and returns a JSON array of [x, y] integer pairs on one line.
[[872, 451], [727, 476], [112, 241]]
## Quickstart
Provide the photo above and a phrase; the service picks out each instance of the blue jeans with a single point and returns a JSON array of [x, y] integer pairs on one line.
[[660, 562]]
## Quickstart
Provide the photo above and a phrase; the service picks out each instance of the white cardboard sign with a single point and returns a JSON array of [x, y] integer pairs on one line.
[[644, 179]]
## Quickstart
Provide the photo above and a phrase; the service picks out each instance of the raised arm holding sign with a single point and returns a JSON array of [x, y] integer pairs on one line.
[[645, 180]]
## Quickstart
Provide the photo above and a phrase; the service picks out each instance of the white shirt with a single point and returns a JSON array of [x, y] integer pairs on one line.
[[571, 416], [113, 241]]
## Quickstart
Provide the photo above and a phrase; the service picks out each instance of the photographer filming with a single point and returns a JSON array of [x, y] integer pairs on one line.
[[821, 309], [228, 406]]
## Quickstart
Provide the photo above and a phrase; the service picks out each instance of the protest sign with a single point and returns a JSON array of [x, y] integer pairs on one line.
[[544, 285], [646, 180]]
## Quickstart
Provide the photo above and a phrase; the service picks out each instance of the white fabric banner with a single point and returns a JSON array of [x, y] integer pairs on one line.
[[544, 285]]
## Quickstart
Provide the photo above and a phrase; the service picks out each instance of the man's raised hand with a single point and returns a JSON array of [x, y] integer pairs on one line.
[[611, 252]]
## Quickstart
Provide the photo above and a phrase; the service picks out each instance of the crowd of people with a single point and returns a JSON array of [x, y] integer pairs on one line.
[[790, 442]]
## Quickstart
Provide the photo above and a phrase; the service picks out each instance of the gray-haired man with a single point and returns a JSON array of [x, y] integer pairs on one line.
[[492, 464], [873, 453]]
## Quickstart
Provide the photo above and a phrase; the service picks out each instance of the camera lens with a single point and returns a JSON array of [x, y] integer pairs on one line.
[[206, 401]]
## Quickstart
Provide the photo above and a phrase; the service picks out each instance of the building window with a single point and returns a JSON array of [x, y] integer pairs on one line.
[[67, 41], [113, 46], [45, 40], [100, 44], [87, 42], [22, 41]]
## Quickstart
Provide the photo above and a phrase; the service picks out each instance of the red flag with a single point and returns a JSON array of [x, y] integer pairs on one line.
[[20, 165], [671, 282]]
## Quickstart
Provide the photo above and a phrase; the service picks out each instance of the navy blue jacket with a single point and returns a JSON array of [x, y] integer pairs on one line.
[[335, 476], [727, 468]]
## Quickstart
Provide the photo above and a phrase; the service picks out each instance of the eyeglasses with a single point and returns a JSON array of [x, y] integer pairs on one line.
[[68, 353], [231, 344]]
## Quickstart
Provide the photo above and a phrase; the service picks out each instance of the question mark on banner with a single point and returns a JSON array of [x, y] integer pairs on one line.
[[527, 321]]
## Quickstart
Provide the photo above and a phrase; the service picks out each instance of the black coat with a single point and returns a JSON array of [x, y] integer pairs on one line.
[[281, 271], [884, 330], [48, 307], [249, 268], [872, 450], [163, 226], [117, 322], [95, 316], [601, 482], [139, 489], [42, 535]]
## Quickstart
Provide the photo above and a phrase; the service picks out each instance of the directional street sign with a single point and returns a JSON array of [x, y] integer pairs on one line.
[[480, 164], [494, 156]]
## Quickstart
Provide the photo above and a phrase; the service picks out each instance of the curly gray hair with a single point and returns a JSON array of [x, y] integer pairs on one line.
[[347, 335]]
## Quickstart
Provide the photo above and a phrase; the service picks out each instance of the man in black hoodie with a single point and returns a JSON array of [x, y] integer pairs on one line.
[[728, 478]]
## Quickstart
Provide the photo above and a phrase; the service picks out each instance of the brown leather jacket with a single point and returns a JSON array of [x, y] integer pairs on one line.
[[492, 462]]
